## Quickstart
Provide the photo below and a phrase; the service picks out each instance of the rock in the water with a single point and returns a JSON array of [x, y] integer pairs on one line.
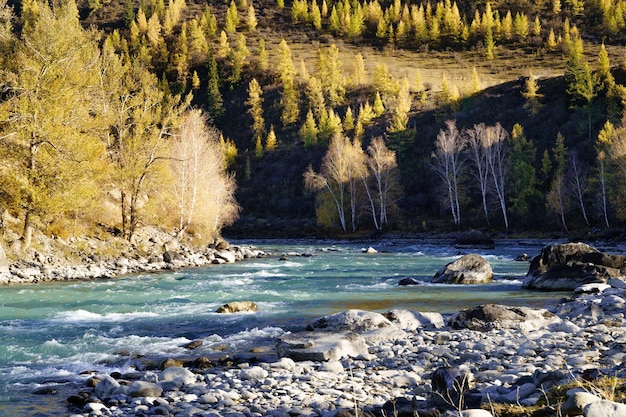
[[370, 250], [409, 281], [494, 316], [238, 307], [474, 239], [571, 265], [469, 269]]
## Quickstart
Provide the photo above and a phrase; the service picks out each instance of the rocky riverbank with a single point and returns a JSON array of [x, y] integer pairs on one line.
[[90, 258], [403, 363]]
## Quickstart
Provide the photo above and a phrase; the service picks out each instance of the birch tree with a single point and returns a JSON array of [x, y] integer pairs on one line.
[[497, 160], [383, 169], [577, 175], [448, 162], [203, 190], [333, 176], [476, 141]]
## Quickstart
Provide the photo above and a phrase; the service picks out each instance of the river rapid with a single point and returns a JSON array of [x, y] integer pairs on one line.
[[51, 334]]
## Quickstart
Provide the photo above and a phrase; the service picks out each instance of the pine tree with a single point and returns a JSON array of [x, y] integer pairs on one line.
[[251, 20], [348, 120], [286, 73], [224, 46], [401, 111], [379, 107], [316, 15], [419, 87], [232, 18], [359, 74], [531, 94], [475, 85], [255, 108], [214, 96], [309, 131], [263, 56], [258, 148], [490, 44], [271, 142], [523, 188]]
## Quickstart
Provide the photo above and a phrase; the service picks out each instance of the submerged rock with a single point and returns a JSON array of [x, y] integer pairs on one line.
[[238, 307]]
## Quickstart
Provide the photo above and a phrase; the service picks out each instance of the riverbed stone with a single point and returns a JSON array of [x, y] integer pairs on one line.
[[495, 316], [574, 405], [468, 269], [106, 386], [144, 389], [238, 307], [604, 408]]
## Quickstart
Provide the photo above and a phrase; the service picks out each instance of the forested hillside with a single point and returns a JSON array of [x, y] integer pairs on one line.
[[312, 116]]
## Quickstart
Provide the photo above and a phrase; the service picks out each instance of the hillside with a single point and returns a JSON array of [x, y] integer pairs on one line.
[[286, 85]]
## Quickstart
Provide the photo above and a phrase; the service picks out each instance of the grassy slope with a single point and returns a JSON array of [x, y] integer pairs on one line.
[[273, 197]]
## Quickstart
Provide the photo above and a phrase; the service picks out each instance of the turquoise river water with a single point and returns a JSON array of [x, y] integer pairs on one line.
[[51, 333]]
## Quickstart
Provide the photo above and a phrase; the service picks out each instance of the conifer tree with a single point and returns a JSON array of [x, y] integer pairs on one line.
[[210, 26], [551, 40], [359, 74], [532, 95], [315, 15], [251, 20], [309, 131], [223, 49], [262, 56], [315, 97], [348, 120], [400, 118], [419, 87], [232, 18], [258, 148], [523, 186], [238, 58], [286, 73], [378, 108], [556, 201], [271, 142], [475, 86], [490, 44], [331, 74], [214, 96], [255, 108]]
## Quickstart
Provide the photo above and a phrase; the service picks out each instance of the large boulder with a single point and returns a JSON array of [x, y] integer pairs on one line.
[[571, 265], [495, 316], [321, 346], [474, 239], [357, 321], [468, 269]]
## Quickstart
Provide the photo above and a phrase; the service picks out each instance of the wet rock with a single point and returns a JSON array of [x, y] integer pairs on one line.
[[571, 265], [238, 307], [409, 281], [469, 269]]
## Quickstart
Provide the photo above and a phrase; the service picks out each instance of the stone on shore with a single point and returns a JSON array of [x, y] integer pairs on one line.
[[495, 316], [351, 320], [238, 307], [604, 408], [469, 269], [321, 346], [572, 265]]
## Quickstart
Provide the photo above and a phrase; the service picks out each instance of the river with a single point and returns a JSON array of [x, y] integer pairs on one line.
[[51, 333]]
